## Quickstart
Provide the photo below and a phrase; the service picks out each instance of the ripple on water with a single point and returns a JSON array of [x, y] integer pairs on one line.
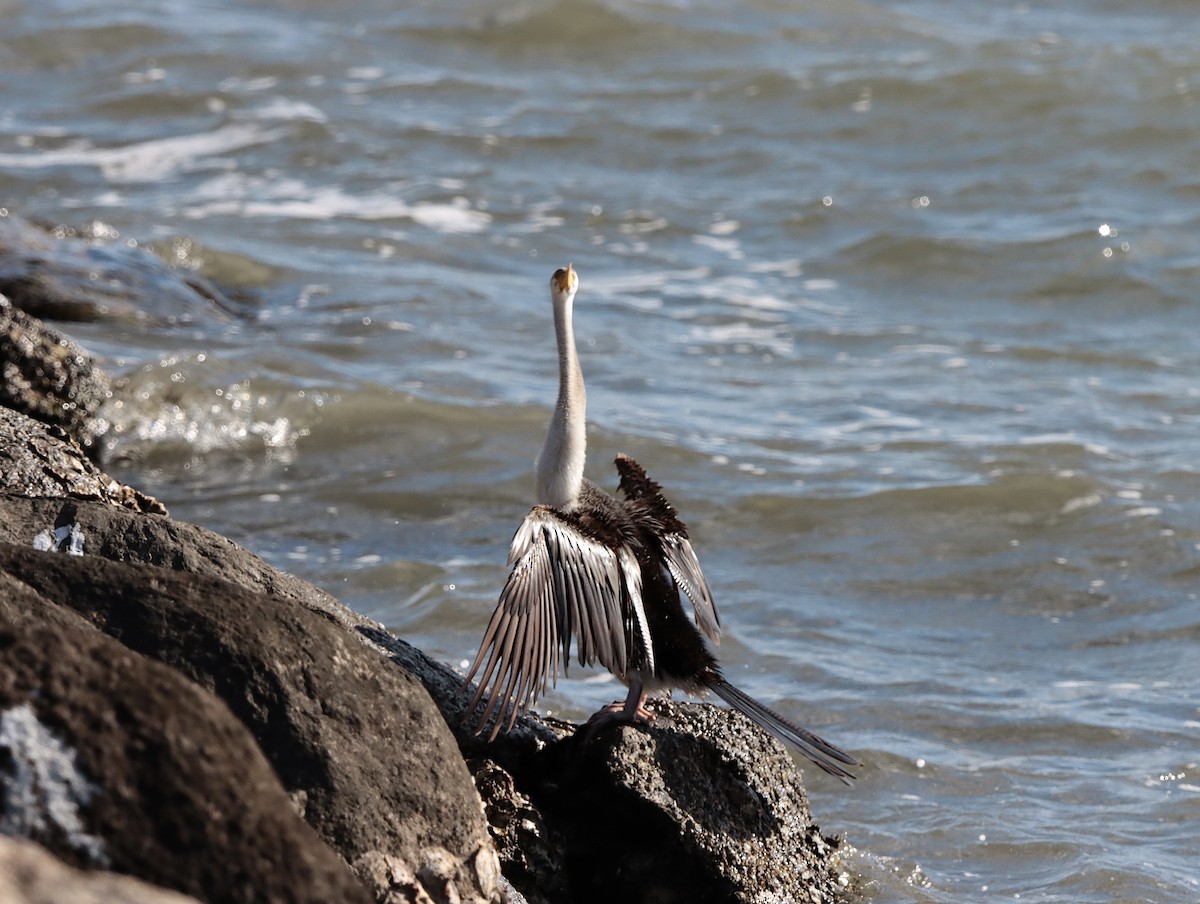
[[894, 299]]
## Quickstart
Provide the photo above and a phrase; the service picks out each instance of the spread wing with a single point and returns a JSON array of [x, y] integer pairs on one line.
[[685, 568], [566, 581], [681, 559]]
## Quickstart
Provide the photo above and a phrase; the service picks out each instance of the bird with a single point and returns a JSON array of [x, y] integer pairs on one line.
[[611, 574]]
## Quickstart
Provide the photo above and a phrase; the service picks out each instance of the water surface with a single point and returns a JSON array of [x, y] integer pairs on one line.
[[897, 300]]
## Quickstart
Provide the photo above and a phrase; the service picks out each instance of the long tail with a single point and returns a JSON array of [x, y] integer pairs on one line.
[[820, 751]]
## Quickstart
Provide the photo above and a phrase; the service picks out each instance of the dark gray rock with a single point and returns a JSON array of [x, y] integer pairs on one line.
[[357, 742], [41, 460], [122, 535], [701, 806], [29, 874], [532, 853], [114, 761], [63, 273], [21, 605], [47, 376]]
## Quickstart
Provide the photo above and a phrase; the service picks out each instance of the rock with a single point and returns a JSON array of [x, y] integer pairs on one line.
[[121, 535], [68, 274], [701, 806], [48, 377], [357, 742], [29, 874], [41, 460], [532, 853], [114, 761]]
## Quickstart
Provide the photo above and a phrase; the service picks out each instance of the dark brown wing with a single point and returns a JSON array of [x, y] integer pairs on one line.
[[680, 558], [565, 582]]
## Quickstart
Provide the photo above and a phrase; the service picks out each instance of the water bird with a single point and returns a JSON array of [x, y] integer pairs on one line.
[[608, 573]]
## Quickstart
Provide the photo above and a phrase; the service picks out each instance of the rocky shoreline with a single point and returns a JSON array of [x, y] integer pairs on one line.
[[179, 720]]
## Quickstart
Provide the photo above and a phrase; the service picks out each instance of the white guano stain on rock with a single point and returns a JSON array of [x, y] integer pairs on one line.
[[44, 788]]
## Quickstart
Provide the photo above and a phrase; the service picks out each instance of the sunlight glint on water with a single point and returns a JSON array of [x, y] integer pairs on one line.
[[897, 301]]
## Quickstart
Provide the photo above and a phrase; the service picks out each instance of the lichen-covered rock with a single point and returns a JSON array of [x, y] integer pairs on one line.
[[49, 377], [41, 460], [701, 806], [114, 761]]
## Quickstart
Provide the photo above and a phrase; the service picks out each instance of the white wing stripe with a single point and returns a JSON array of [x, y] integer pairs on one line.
[[563, 583], [633, 583], [685, 569]]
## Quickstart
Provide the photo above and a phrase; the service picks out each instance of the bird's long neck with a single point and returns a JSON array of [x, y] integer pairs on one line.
[[560, 466]]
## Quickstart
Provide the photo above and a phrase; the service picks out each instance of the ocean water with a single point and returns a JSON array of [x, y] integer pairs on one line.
[[898, 300]]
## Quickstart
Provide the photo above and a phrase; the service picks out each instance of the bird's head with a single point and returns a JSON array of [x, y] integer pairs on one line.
[[563, 284]]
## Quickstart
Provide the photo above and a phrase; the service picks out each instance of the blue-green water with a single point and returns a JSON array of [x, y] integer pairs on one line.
[[899, 301]]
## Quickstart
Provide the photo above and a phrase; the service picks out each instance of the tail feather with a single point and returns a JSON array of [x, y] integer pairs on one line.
[[817, 749]]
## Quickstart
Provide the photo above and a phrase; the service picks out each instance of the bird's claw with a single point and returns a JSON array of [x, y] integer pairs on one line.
[[631, 710]]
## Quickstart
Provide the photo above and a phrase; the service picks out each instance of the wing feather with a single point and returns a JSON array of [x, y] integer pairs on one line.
[[564, 582], [681, 559], [637, 628], [685, 569]]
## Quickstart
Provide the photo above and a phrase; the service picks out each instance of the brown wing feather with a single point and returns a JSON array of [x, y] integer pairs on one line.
[[565, 581], [680, 558]]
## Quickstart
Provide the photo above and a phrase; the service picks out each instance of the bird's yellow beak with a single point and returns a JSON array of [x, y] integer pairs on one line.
[[566, 279]]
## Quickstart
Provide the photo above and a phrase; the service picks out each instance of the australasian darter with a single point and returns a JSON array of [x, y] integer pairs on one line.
[[609, 573]]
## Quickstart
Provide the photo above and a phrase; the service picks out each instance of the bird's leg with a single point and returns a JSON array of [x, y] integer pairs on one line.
[[632, 709]]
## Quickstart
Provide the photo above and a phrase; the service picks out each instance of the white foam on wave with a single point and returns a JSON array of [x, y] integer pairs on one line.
[[287, 109], [925, 348], [659, 282], [789, 267], [1144, 511], [148, 161], [1048, 439], [743, 336], [1079, 503], [731, 248], [540, 217], [231, 194], [181, 403], [208, 430]]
